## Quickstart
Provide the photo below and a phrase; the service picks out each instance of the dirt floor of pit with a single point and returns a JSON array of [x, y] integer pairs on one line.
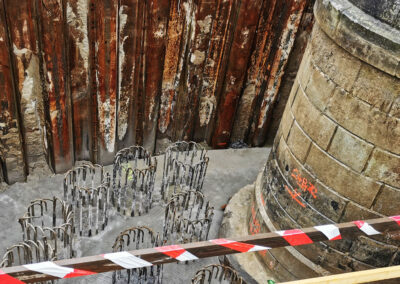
[[229, 170]]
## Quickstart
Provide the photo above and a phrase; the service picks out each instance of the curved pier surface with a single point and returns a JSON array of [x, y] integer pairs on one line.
[[336, 157]]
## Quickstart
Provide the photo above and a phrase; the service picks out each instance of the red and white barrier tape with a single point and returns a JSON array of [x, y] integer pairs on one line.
[[5, 278], [238, 246], [127, 260], [177, 252], [330, 231]]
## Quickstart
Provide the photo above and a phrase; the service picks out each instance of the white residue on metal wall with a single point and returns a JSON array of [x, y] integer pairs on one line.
[[205, 25], [206, 108], [79, 23], [123, 99], [285, 45]]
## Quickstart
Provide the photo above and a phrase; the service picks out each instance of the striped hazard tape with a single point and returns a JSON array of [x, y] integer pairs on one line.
[[5, 278], [396, 219], [366, 228], [295, 237], [50, 268], [238, 246], [126, 260], [177, 252], [156, 256], [330, 231]]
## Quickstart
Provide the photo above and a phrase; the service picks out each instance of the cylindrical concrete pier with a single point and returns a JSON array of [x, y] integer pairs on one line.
[[336, 157]]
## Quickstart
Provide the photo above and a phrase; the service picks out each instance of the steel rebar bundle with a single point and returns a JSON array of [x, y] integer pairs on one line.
[[83, 176], [134, 173], [86, 189], [137, 238], [91, 210], [51, 222], [185, 164], [217, 273], [188, 217], [27, 252]]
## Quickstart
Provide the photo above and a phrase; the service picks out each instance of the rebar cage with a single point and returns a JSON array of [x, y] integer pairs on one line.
[[137, 238], [27, 252], [134, 172], [188, 217], [86, 190], [86, 175], [185, 164], [91, 210], [217, 273], [49, 222]]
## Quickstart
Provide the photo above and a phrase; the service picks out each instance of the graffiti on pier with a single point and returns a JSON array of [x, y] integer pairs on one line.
[[304, 185]]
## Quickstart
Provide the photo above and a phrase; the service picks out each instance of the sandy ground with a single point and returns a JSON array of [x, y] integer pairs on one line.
[[228, 171]]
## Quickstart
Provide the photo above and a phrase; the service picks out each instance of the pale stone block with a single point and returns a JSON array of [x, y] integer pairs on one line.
[[298, 142], [312, 121], [286, 122], [364, 121], [385, 167], [334, 61], [355, 212], [346, 182], [319, 89], [350, 149], [388, 201], [304, 71], [376, 88]]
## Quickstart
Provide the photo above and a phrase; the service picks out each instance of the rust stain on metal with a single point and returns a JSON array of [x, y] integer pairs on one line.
[[106, 76], [90, 77], [172, 65], [130, 46], [289, 17], [54, 51], [248, 17], [157, 18], [77, 12], [198, 47], [11, 151], [25, 61], [215, 64], [263, 42], [174, 87]]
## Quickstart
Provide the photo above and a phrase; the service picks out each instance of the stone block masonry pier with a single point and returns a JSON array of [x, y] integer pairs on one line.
[[336, 157]]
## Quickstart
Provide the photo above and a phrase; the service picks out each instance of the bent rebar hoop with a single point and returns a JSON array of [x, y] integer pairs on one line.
[[27, 252], [185, 163], [188, 216], [50, 221], [91, 210], [86, 175], [217, 273], [134, 173], [137, 238]]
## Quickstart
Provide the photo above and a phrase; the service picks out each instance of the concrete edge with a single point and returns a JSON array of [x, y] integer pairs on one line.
[[234, 223], [364, 36], [292, 251]]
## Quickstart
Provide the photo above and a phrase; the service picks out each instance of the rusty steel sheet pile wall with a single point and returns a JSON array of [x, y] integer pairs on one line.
[[82, 79]]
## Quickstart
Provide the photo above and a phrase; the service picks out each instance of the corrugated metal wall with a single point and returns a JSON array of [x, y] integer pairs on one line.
[[81, 79]]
